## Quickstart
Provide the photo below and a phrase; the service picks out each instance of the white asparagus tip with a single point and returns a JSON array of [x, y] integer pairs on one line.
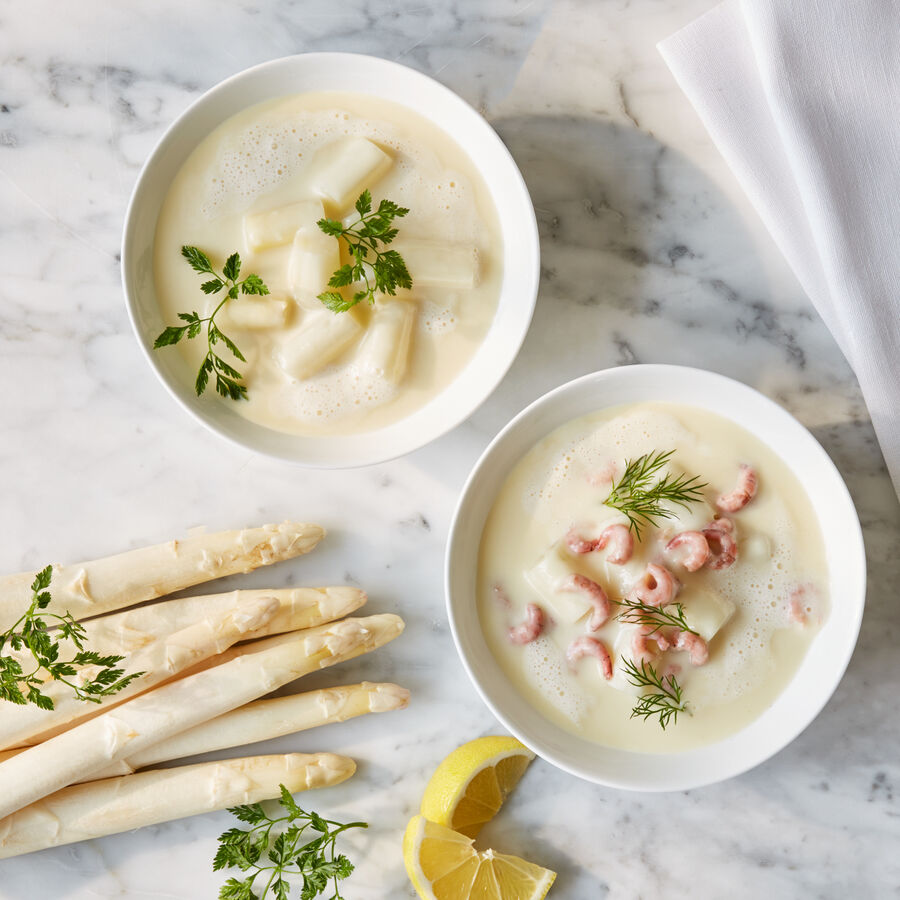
[[385, 696], [325, 770], [299, 537], [351, 637]]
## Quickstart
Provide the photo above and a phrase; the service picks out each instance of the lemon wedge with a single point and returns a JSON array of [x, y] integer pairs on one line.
[[443, 865], [470, 785]]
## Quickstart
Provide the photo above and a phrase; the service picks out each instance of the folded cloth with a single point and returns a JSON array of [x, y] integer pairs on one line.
[[801, 97]]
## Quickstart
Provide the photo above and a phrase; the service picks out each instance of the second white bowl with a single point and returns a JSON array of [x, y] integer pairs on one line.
[[824, 663]]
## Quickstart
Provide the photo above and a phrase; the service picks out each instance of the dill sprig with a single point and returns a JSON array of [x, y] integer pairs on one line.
[[31, 633], [315, 861], [636, 612], [229, 382], [640, 493], [666, 699], [384, 272]]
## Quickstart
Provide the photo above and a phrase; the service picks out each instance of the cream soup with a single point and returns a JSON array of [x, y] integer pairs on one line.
[[558, 569], [258, 184]]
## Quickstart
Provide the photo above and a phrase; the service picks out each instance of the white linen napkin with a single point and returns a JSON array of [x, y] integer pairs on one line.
[[802, 98]]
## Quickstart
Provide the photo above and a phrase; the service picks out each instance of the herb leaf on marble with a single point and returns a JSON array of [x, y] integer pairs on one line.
[[229, 381], [384, 272], [304, 848], [90, 675]]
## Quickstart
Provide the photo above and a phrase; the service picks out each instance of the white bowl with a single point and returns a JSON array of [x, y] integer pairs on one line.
[[821, 669], [428, 98]]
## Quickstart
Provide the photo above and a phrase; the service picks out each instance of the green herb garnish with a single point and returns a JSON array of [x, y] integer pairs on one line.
[[31, 633], [640, 494], [385, 272], [637, 612], [288, 854], [665, 701], [229, 382]]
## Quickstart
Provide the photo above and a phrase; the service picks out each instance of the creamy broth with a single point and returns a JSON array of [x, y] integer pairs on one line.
[[276, 156], [772, 599]]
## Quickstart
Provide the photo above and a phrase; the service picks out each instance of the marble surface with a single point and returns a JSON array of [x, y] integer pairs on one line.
[[650, 253]]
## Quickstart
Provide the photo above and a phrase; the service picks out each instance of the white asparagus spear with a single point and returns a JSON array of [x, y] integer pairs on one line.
[[273, 227], [127, 632], [343, 168], [314, 258], [322, 338], [384, 351], [174, 707], [140, 635], [434, 263], [261, 720], [93, 810], [114, 582], [264, 720], [254, 313]]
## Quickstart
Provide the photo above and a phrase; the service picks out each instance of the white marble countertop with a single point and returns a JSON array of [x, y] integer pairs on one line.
[[650, 253]]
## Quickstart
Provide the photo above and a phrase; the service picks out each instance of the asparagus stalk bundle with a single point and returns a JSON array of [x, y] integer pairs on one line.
[[132, 801], [142, 636], [157, 715], [115, 582]]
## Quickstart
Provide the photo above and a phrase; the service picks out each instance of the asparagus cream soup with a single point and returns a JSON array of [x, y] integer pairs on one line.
[[651, 565], [260, 185]]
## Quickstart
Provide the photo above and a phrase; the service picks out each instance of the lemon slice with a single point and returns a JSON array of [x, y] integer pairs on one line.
[[470, 785], [443, 865]]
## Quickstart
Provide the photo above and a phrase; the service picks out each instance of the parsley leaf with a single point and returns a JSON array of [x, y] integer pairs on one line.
[[286, 855], [228, 380], [98, 675], [376, 269]]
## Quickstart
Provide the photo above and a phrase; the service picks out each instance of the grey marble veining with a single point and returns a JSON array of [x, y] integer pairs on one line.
[[650, 254]]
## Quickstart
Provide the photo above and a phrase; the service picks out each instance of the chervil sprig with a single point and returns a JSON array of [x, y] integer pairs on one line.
[[31, 634], [665, 700], [636, 612], [640, 493], [229, 382], [384, 272], [288, 853]]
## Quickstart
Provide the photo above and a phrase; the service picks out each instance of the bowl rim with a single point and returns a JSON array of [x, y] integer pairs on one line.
[[533, 741], [531, 272]]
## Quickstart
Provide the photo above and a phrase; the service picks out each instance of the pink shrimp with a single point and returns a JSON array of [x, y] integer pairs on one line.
[[722, 523], [618, 537], [670, 670], [620, 541], [588, 646], [501, 596], [723, 549], [603, 476], [530, 628], [744, 491], [656, 587], [693, 644], [696, 547], [642, 641], [596, 595], [579, 545], [801, 604], [657, 633], [641, 649]]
